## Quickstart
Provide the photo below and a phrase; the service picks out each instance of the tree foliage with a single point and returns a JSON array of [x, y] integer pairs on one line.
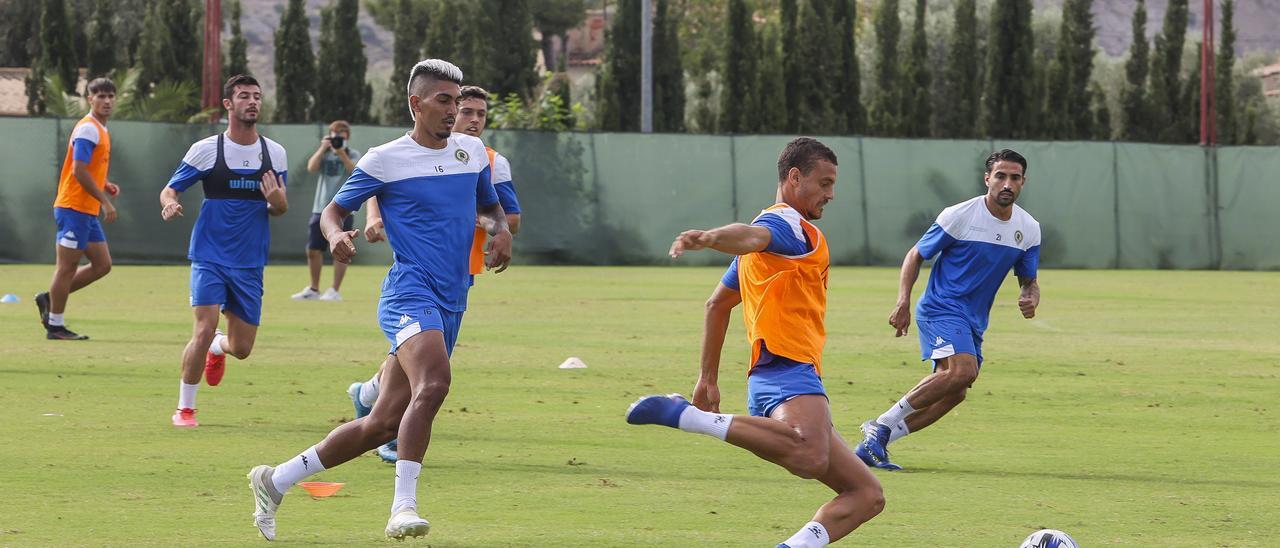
[[295, 66], [341, 92]]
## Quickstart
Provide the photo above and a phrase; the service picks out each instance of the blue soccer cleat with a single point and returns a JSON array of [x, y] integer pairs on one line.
[[874, 450], [387, 452], [362, 410], [664, 410], [783, 545]]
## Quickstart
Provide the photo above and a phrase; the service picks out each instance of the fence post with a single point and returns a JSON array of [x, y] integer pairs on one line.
[[1115, 191], [866, 223], [1215, 226], [733, 175]]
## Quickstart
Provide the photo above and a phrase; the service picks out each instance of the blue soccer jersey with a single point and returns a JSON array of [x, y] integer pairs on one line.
[[428, 199], [232, 229], [786, 239], [975, 251]]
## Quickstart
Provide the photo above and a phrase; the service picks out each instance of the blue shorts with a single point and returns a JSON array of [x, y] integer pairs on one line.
[[404, 318], [77, 230], [773, 384], [943, 337], [238, 290]]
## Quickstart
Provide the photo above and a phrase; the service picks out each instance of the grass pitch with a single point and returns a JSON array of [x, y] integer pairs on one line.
[[1139, 408]]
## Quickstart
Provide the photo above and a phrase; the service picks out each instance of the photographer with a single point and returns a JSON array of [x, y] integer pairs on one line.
[[334, 160]]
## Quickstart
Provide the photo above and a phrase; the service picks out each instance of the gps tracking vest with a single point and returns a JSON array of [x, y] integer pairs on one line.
[[224, 184]]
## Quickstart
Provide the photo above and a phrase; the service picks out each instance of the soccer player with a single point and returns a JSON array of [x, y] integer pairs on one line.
[[473, 115], [83, 189], [431, 185], [780, 277], [976, 242], [244, 177], [333, 159]]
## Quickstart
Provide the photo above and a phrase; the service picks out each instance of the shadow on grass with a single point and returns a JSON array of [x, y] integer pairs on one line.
[[1104, 476]]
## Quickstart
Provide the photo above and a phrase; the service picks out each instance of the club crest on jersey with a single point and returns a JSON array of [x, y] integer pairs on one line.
[[462, 156], [1017, 236]]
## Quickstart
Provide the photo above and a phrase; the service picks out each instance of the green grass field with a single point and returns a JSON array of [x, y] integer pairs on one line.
[[1139, 408]]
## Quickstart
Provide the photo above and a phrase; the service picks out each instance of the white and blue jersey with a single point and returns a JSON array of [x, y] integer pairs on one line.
[[974, 251], [232, 229], [504, 185], [787, 239], [428, 199]]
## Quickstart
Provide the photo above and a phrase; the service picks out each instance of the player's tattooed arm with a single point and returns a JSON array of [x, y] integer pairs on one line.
[[342, 244], [497, 252], [1029, 298]]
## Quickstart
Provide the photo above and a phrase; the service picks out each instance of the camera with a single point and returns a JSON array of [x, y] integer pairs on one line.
[[337, 141]]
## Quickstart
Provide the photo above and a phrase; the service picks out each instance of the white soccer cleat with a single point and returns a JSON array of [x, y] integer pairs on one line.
[[307, 294], [406, 523], [266, 500], [330, 294]]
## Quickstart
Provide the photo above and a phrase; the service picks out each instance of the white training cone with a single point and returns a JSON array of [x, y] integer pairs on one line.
[[573, 363]]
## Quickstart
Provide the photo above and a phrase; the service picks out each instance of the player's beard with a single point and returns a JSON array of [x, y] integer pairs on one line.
[[246, 120], [1006, 198]]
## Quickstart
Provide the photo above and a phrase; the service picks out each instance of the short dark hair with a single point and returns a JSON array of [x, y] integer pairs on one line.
[[803, 153], [1007, 155], [437, 69], [100, 85], [474, 92], [229, 88]]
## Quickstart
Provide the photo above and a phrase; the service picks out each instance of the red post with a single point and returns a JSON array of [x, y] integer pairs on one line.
[[1208, 114], [211, 77]]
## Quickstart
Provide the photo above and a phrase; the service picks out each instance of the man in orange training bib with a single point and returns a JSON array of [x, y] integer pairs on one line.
[[83, 190], [780, 278]]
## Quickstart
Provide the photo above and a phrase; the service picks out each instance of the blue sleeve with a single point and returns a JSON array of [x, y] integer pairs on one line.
[[507, 197], [784, 240], [284, 177], [185, 176], [83, 150], [1028, 263], [485, 194], [360, 186], [730, 278], [934, 241]]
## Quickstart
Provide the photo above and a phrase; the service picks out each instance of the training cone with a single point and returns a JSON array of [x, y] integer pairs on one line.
[[320, 489], [573, 363], [9, 298]]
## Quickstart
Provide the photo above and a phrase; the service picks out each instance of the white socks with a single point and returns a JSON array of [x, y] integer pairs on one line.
[[296, 468], [812, 535], [216, 347], [406, 485], [896, 413], [56, 319], [696, 420], [187, 395], [369, 390], [898, 430]]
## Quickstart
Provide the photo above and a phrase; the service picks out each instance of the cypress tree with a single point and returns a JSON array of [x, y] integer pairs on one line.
[[886, 116], [849, 94], [169, 51], [1188, 125], [19, 23], [404, 56], [1101, 113], [1135, 113], [1224, 99], [775, 111], [102, 45], [1068, 108], [455, 33], [792, 65], [668, 72], [817, 85], [1008, 108], [237, 61], [917, 101], [57, 53], [619, 85], [295, 66], [512, 53], [739, 102], [958, 117], [1169, 111], [341, 90]]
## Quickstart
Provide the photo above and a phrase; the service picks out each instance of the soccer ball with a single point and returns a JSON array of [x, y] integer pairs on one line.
[[1049, 538]]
